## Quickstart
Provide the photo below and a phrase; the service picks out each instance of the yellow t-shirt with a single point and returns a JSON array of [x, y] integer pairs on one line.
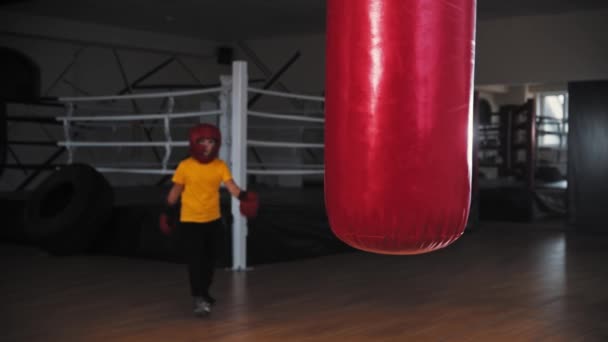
[[201, 195]]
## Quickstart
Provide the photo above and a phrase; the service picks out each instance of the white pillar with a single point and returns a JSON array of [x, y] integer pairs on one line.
[[239, 161]]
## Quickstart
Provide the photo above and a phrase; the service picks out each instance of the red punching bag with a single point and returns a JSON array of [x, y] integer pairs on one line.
[[398, 131]]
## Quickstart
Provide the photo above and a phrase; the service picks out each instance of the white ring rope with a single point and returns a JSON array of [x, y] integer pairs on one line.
[[138, 171], [303, 166], [285, 117], [283, 144], [280, 144], [140, 96], [122, 143], [171, 171], [129, 125], [140, 116], [116, 119], [102, 108], [133, 164], [286, 172], [289, 95]]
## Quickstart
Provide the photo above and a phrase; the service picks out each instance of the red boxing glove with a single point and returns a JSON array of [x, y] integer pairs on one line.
[[168, 220], [249, 204], [166, 226]]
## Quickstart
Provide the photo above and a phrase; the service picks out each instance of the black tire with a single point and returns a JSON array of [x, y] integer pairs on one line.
[[67, 212]]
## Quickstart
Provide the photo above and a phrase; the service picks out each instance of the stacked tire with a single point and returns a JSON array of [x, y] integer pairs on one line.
[[68, 210]]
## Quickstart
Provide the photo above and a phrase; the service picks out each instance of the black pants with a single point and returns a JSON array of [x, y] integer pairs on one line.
[[198, 244]]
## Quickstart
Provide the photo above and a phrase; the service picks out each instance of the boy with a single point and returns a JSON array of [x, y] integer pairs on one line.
[[197, 180]]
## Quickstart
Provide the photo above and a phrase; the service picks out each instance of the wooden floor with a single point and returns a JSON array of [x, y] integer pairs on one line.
[[504, 282]]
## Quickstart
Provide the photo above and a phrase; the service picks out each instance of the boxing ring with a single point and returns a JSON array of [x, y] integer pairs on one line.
[[232, 114]]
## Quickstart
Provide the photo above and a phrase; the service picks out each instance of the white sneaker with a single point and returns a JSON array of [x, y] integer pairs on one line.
[[201, 307]]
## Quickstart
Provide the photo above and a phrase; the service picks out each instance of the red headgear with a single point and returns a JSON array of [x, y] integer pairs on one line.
[[203, 131]]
